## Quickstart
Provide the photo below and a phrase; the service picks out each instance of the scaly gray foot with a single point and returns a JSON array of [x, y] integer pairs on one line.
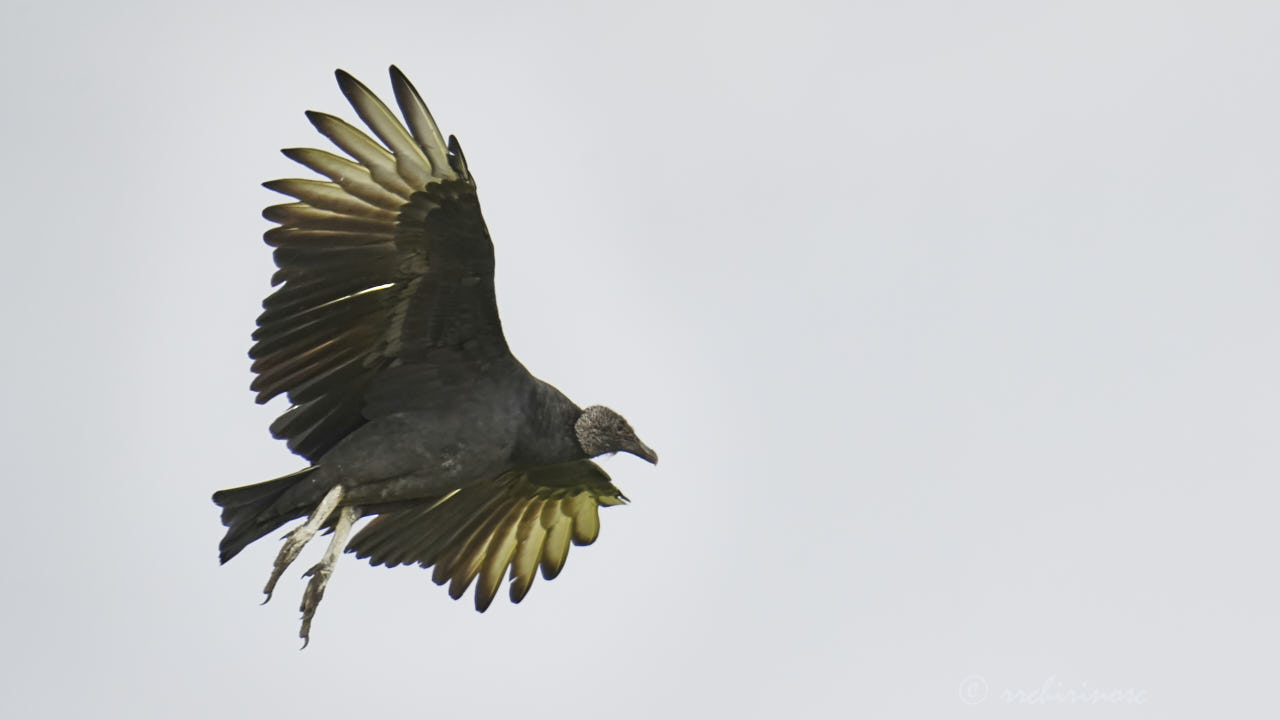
[[321, 571], [301, 535]]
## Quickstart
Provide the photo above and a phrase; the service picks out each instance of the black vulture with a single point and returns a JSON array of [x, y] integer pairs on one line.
[[405, 399]]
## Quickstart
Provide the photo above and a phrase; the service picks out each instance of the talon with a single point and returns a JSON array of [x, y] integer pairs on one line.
[[301, 535], [323, 570]]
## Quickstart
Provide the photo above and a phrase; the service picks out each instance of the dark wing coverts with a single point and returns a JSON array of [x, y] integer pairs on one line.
[[385, 263]]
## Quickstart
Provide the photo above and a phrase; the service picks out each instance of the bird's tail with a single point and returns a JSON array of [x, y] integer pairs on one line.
[[245, 512]]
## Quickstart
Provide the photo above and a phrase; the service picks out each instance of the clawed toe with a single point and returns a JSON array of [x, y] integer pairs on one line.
[[323, 570], [301, 535]]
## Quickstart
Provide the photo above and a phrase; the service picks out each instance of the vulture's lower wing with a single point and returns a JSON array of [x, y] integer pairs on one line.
[[523, 520]]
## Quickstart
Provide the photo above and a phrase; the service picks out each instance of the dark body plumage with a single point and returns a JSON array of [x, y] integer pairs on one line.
[[405, 398]]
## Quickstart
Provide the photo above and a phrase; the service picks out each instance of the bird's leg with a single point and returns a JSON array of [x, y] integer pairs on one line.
[[301, 535], [321, 571]]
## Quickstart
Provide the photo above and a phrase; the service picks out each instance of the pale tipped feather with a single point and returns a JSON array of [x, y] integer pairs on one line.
[[423, 126], [351, 176], [411, 161], [379, 161], [329, 196]]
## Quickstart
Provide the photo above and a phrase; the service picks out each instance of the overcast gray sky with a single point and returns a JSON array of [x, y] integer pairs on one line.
[[954, 325]]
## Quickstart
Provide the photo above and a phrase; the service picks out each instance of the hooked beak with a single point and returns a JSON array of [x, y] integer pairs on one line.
[[644, 452]]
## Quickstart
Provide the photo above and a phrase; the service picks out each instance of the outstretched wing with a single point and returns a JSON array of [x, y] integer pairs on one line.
[[388, 262], [523, 519]]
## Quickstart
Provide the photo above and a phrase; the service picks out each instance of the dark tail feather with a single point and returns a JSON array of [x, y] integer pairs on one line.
[[244, 512]]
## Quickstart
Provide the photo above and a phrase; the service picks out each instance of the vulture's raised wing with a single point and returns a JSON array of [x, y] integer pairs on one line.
[[386, 263], [523, 519]]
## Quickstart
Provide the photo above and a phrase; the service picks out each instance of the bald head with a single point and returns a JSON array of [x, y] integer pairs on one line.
[[601, 430]]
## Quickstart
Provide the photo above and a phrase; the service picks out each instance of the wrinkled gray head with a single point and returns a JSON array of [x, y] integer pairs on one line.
[[601, 430]]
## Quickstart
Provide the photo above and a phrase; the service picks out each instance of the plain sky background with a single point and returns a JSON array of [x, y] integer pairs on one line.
[[955, 324]]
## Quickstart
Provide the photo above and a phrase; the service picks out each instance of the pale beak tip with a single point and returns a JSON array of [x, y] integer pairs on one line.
[[645, 452]]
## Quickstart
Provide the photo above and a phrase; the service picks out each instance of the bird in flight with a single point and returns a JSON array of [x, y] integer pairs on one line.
[[383, 333]]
